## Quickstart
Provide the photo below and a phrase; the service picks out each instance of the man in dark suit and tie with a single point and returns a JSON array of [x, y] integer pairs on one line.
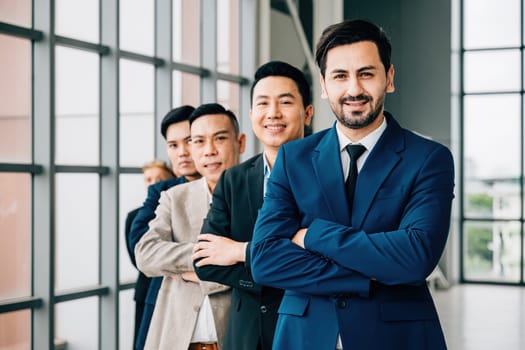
[[354, 268], [280, 109]]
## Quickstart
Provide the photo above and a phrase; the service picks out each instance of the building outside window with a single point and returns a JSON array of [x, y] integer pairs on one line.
[[492, 141]]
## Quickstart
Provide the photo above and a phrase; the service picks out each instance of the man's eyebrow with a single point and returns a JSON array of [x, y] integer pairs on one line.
[[220, 132], [258, 97], [367, 68], [340, 70], [284, 94]]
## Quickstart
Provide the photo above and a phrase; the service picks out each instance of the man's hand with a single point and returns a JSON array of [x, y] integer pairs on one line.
[[218, 250], [298, 238]]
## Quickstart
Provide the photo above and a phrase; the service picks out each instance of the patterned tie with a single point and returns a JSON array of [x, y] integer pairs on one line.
[[354, 151]]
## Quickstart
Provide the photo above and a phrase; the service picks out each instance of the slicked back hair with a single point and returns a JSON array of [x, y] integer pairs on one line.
[[215, 108], [349, 32], [176, 115], [283, 69]]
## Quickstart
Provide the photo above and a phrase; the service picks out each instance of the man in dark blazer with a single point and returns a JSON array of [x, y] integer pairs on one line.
[[280, 110], [175, 128], [355, 279]]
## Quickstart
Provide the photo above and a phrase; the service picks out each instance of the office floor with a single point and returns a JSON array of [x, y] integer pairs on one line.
[[479, 317]]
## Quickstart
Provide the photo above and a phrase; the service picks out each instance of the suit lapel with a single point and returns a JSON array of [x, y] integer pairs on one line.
[[255, 189], [200, 201], [329, 174], [378, 166]]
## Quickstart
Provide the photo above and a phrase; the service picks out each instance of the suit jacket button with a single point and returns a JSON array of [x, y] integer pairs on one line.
[[341, 303], [264, 309]]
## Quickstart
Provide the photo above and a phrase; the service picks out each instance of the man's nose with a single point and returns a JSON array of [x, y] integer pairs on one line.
[[209, 148], [274, 111], [354, 87], [183, 149]]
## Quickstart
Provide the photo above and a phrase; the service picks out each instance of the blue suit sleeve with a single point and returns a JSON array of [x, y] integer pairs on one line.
[[408, 254], [278, 262], [146, 213]]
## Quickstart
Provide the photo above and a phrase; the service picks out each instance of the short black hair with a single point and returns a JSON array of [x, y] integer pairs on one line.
[[349, 32], [283, 69], [214, 108], [176, 115]]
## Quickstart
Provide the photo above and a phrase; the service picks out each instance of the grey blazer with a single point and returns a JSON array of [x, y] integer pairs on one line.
[[165, 250]]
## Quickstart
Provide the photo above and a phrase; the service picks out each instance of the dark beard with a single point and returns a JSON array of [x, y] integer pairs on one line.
[[359, 123]]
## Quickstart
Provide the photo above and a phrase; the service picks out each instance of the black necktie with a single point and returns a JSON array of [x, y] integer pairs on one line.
[[354, 151]]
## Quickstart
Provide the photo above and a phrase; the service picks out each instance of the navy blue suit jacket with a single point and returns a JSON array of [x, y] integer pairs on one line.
[[361, 276]]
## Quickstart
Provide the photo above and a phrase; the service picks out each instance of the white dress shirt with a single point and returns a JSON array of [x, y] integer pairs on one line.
[[369, 141], [205, 331]]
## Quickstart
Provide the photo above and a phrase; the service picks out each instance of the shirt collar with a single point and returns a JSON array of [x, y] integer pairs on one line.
[[369, 141], [266, 167], [208, 193]]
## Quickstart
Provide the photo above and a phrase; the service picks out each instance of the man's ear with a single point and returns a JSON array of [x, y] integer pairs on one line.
[[323, 88], [308, 115], [390, 79], [242, 143]]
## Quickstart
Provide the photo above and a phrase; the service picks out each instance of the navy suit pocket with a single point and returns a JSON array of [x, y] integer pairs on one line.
[[408, 311], [294, 305]]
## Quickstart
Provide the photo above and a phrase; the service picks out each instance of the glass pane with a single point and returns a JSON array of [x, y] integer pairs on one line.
[[186, 89], [228, 36], [15, 103], [126, 319], [480, 75], [15, 330], [77, 107], [136, 26], [79, 335], [15, 229], [77, 19], [492, 156], [492, 251], [132, 195], [489, 23], [77, 230], [17, 12], [137, 124], [186, 31], [228, 96]]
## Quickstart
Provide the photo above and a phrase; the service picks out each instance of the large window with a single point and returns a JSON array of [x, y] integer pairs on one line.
[[493, 142], [84, 86]]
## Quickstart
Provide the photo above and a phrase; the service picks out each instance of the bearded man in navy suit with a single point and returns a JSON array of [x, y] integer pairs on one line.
[[354, 268]]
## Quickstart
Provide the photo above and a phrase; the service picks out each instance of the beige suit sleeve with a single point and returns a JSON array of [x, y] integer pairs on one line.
[[157, 254]]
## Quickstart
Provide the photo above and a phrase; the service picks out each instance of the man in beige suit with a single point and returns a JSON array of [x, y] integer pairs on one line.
[[190, 314]]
